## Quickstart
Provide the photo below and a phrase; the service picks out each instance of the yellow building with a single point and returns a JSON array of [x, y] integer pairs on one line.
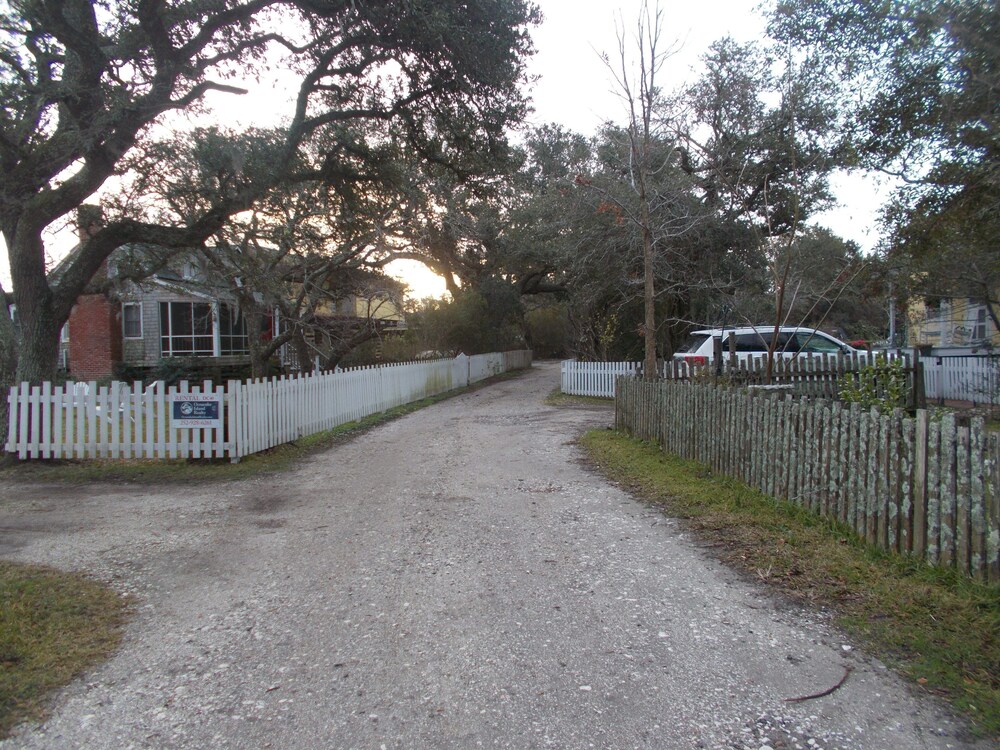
[[958, 321], [377, 306]]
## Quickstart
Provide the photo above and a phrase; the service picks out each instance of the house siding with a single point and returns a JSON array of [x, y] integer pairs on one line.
[[953, 323], [145, 352], [97, 343]]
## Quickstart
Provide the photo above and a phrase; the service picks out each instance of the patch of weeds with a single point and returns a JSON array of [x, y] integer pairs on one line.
[[53, 626], [558, 398], [940, 629]]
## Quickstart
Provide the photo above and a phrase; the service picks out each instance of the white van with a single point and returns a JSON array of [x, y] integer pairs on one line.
[[752, 342]]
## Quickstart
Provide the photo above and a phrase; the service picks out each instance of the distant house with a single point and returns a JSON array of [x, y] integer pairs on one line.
[[177, 311], [951, 322], [180, 310], [363, 305]]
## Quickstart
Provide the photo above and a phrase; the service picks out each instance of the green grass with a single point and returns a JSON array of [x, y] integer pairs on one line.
[[281, 458], [558, 398], [939, 629], [53, 626]]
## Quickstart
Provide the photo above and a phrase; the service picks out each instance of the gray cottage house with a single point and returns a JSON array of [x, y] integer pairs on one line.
[[183, 310], [178, 311]]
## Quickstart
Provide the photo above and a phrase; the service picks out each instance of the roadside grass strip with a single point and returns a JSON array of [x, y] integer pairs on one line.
[[558, 398], [53, 626], [938, 628]]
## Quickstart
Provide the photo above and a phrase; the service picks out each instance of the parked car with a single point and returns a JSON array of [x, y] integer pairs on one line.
[[752, 342]]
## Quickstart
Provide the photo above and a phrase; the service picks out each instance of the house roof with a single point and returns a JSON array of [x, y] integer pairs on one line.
[[191, 289]]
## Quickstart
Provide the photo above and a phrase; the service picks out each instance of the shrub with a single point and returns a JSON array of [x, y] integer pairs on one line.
[[881, 384]]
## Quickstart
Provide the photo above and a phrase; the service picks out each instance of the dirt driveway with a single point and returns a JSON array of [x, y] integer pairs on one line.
[[453, 579]]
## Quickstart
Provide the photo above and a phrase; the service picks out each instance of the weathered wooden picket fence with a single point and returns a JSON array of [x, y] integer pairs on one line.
[[819, 375], [925, 487], [972, 378], [125, 421]]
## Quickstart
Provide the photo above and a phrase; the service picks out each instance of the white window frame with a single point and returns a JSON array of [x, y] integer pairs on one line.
[[978, 323], [168, 338], [235, 317], [217, 335], [138, 306]]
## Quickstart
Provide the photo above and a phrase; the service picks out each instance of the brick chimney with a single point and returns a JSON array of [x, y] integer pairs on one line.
[[95, 331], [95, 337]]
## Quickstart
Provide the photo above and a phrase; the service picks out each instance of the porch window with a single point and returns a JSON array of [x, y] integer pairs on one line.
[[186, 329], [132, 320]]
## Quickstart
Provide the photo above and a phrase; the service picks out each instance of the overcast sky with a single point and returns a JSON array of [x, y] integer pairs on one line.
[[575, 88]]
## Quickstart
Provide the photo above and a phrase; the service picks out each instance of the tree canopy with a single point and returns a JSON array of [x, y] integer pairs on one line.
[[693, 209], [700, 199], [920, 83]]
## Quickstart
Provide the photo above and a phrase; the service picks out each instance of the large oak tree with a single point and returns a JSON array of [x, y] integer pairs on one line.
[[83, 83]]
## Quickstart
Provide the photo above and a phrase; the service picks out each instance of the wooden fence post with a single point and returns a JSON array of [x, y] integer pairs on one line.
[[977, 495], [991, 505], [949, 452], [873, 499], [919, 391], [963, 501], [920, 446], [933, 492]]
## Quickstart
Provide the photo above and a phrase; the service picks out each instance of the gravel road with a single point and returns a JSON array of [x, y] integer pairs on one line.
[[453, 579]]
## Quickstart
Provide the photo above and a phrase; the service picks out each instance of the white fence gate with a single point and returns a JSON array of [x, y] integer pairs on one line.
[[122, 421], [593, 378]]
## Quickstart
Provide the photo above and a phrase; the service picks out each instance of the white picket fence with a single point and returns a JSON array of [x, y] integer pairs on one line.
[[974, 378], [593, 378], [961, 378], [123, 421]]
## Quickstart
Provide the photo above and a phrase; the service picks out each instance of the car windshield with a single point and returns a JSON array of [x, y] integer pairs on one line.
[[693, 343]]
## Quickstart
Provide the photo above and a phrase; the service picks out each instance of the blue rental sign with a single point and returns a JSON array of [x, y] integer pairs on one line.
[[190, 410]]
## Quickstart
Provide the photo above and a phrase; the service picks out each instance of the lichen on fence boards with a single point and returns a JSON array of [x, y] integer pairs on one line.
[[923, 485]]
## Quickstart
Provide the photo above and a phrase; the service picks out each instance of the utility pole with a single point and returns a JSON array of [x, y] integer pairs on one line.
[[892, 317]]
